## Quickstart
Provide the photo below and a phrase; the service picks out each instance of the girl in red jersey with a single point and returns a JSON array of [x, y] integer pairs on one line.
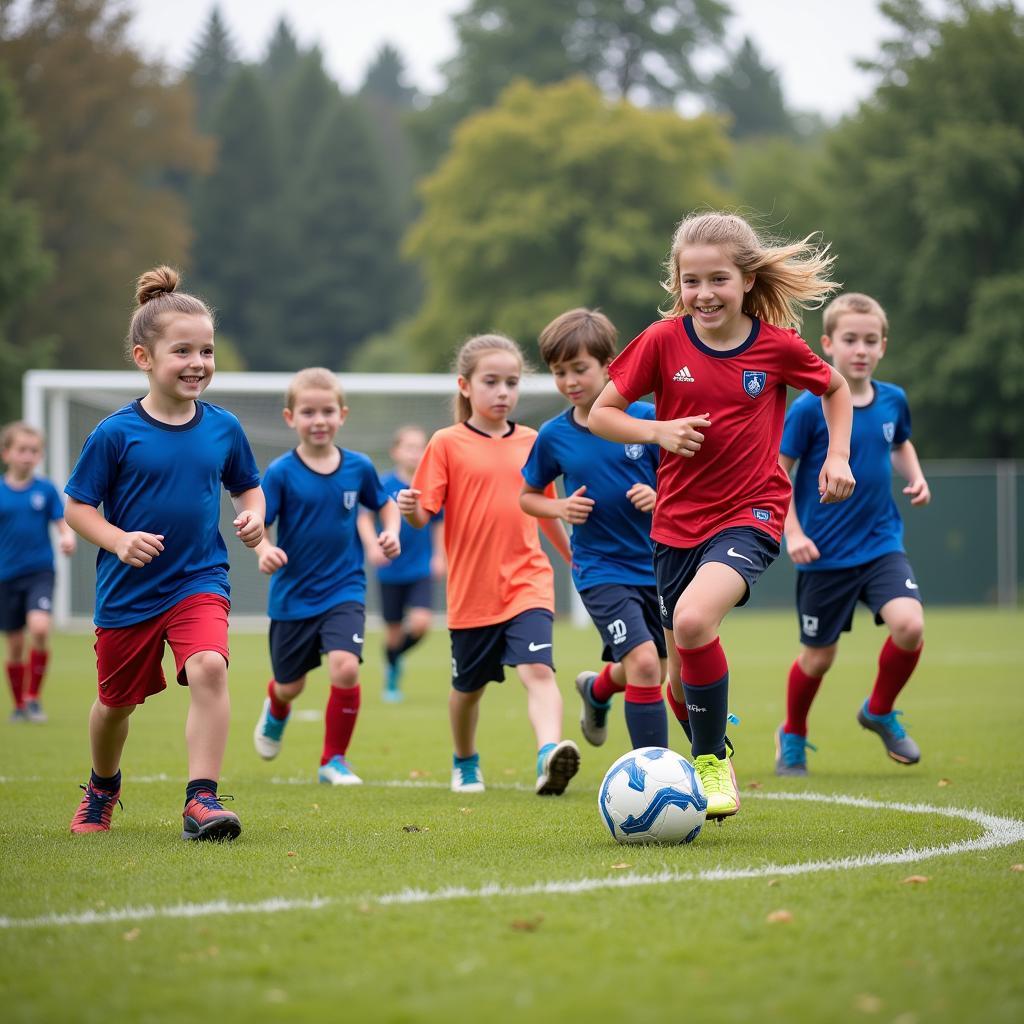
[[719, 367], [500, 583]]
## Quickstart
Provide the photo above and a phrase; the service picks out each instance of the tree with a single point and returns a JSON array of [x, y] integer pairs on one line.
[[556, 197], [109, 129], [749, 92], [211, 64], [283, 54], [926, 210]]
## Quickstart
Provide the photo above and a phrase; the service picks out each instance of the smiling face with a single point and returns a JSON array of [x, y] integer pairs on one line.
[[21, 455], [581, 378], [712, 289], [856, 345], [493, 386], [180, 362], [316, 415]]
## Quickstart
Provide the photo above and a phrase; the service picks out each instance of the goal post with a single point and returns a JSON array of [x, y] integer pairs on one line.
[[67, 405]]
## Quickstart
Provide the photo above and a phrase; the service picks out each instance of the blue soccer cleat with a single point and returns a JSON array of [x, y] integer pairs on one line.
[[557, 763], [268, 733], [392, 683], [466, 774], [337, 773], [898, 745], [791, 752]]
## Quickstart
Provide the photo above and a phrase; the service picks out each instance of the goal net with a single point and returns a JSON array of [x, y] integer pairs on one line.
[[68, 404]]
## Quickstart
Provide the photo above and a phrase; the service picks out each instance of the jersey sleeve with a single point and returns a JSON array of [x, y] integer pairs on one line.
[[903, 431], [796, 434], [431, 477], [54, 506], [634, 370], [240, 472], [372, 493], [95, 469], [541, 467], [273, 492], [803, 369]]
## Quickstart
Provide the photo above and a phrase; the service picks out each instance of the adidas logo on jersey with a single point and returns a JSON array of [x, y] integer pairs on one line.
[[684, 376]]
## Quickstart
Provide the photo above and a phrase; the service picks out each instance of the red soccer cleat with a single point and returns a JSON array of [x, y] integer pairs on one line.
[[95, 810], [205, 818]]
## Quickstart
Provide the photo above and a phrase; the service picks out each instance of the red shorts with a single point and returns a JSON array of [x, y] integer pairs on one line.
[[128, 658]]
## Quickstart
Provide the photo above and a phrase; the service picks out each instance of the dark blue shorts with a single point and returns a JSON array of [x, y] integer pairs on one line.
[[625, 616], [748, 550], [32, 592], [396, 598], [297, 647], [825, 600], [480, 654]]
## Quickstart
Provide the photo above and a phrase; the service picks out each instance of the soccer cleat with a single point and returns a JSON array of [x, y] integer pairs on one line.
[[556, 767], [791, 752], [18, 715], [269, 730], [898, 745], [34, 712], [593, 716], [205, 818], [392, 684], [719, 782], [95, 810], [466, 775], [337, 773]]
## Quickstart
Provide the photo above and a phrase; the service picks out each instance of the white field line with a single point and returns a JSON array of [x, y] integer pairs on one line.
[[996, 832]]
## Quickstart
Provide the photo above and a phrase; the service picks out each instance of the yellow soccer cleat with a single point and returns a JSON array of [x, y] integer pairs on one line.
[[719, 782]]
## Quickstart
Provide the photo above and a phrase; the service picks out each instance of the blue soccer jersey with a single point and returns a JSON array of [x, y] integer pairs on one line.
[[165, 479], [25, 517], [867, 524], [417, 545], [614, 544], [316, 527]]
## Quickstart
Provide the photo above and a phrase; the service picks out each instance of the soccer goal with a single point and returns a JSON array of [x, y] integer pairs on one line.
[[67, 404]]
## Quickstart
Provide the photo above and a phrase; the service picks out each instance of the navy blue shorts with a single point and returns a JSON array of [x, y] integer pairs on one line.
[[626, 616], [825, 600], [395, 598], [297, 647], [480, 654], [32, 592], [748, 550]]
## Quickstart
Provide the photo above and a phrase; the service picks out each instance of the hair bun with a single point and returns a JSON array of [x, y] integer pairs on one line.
[[158, 281]]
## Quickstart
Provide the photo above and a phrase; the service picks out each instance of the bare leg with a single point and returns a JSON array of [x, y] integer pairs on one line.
[[108, 730], [543, 702], [209, 714], [464, 713]]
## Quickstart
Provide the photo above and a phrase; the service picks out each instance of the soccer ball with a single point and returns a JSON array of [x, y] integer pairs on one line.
[[652, 795]]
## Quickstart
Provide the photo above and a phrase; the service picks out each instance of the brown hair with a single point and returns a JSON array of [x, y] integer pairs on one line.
[[156, 295], [853, 302], [586, 329], [314, 377], [467, 359], [12, 430], [789, 277], [406, 428]]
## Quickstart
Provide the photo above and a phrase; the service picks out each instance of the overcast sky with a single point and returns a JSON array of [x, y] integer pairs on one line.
[[813, 44]]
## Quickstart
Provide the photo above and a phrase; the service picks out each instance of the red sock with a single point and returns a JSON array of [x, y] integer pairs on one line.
[[278, 708], [895, 666], [604, 686], [800, 693], [342, 711], [643, 694], [16, 678], [36, 670], [678, 709], [703, 666]]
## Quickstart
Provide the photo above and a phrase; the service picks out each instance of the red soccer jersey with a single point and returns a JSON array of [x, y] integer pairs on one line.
[[735, 479]]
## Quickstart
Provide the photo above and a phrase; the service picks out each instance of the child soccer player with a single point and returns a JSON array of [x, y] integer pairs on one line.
[[157, 466], [500, 583], [719, 368], [609, 499], [28, 504], [318, 585], [854, 551], [406, 584]]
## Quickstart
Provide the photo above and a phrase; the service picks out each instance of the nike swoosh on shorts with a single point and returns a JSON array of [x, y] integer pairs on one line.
[[537, 647], [911, 585], [357, 638], [733, 553]]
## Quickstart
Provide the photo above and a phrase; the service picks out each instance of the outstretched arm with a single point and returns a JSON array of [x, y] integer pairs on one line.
[[835, 481], [609, 419], [409, 506]]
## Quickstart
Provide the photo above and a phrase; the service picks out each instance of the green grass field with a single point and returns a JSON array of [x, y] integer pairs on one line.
[[856, 943]]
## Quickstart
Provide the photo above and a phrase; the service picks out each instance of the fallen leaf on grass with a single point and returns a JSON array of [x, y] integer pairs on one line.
[[530, 924], [754, 784], [779, 917], [916, 879], [945, 782], [417, 774], [867, 1003], [411, 828], [292, 853], [621, 866], [1017, 867], [132, 935], [773, 881], [466, 810]]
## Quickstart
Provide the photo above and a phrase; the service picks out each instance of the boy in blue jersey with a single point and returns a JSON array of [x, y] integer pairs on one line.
[[28, 504], [852, 551], [318, 585], [610, 495], [406, 584], [157, 466]]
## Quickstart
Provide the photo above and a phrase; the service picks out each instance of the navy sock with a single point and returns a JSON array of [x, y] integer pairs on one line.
[[647, 724], [709, 709], [196, 785], [111, 785]]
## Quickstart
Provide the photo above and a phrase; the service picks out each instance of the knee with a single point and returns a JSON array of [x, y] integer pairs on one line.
[[15, 646], [816, 661], [908, 632], [207, 668], [536, 676], [691, 626], [344, 669], [643, 666], [419, 621], [113, 714]]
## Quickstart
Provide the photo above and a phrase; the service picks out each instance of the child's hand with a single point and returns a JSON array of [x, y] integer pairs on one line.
[[249, 528], [376, 555], [138, 549], [835, 481], [919, 492], [271, 559], [389, 544], [407, 500], [802, 550], [576, 508], [643, 497], [681, 437], [66, 543]]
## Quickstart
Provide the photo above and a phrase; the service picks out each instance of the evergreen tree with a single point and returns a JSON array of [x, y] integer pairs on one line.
[[210, 66], [384, 80], [282, 54], [749, 92], [307, 97]]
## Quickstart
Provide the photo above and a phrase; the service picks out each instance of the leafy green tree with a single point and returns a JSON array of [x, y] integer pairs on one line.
[[109, 131], [211, 64], [925, 188], [556, 197], [749, 92]]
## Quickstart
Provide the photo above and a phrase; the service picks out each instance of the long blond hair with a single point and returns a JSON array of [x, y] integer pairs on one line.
[[789, 276], [469, 356]]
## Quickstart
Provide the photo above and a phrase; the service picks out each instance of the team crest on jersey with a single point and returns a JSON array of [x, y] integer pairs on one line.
[[753, 382], [349, 498], [888, 432], [37, 501], [634, 451]]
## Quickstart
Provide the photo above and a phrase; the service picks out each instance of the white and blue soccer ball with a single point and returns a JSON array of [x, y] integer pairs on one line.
[[652, 795]]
